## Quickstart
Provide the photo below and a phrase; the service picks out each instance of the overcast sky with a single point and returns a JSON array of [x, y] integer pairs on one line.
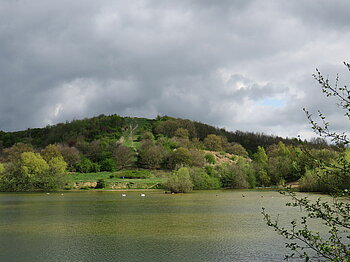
[[243, 65]]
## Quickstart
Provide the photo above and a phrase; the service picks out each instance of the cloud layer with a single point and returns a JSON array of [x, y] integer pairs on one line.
[[243, 65]]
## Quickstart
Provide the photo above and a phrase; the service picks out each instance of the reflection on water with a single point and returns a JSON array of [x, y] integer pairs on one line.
[[104, 226]]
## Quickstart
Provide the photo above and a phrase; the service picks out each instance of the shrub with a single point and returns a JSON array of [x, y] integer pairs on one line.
[[85, 165], [202, 181], [197, 158], [50, 151], [101, 183], [31, 172], [71, 156], [2, 168], [180, 181], [123, 156], [179, 157], [239, 175], [213, 142], [236, 149], [151, 155], [210, 158], [108, 165]]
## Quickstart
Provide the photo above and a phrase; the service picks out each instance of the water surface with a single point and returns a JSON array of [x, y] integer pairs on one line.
[[104, 226]]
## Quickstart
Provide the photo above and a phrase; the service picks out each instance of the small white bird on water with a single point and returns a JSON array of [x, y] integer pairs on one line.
[[123, 195], [143, 195]]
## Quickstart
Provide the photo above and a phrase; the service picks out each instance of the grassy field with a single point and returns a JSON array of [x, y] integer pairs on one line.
[[152, 179]]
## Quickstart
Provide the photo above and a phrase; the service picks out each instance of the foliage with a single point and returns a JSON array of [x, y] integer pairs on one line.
[[309, 245], [328, 178], [123, 156], [56, 176], [239, 175], [182, 133], [50, 151], [312, 182], [13, 153], [2, 168], [31, 172], [260, 165], [213, 142], [197, 158], [101, 183], [179, 157], [86, 165], [180, 181], [236, 149], [210, 158], [284, 163], [70, 155], [151, 156], [202, 181], [108, 164]]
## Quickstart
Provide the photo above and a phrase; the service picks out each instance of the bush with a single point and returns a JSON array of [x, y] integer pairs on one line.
[[197, 158], [108, 165], [30, 172], [210, 158], [84, 166], [239, 175], [202, 181], [87, 166], [123, 156], [101, 183], [213, 142], [179, 182], [236, 149], [179, 157], [2, 168], [151, 155]]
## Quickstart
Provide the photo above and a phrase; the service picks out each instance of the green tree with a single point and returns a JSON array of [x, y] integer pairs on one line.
[[197, 158], [239, 175], [2, 169], [31, 172], [108, 164], [260, 164], [150, 155], [210, 158], [202, 181], [236, 149], [179, 157], [50, 151], [85, 165], [56, 176], [180, 181], [182, 133], [213, 142], [123, 156], [70, 155], [13, 153]]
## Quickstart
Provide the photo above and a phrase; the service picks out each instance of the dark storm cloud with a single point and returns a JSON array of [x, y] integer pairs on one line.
[[239, 64]]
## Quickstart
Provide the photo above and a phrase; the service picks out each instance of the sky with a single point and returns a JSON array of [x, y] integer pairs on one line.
[[242, 65]]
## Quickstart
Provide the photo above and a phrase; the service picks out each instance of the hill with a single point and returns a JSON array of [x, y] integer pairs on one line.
[[116, 127]]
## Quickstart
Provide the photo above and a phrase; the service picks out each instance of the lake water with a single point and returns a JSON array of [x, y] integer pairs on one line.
[[104, 226]]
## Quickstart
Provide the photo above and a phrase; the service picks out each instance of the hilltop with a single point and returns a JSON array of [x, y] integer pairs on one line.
[[117, 127]]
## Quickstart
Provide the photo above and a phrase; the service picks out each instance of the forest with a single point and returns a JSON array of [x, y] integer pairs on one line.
[[183, 154]]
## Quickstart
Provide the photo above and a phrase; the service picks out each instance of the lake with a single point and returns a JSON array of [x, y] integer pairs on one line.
[[105, 226]]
